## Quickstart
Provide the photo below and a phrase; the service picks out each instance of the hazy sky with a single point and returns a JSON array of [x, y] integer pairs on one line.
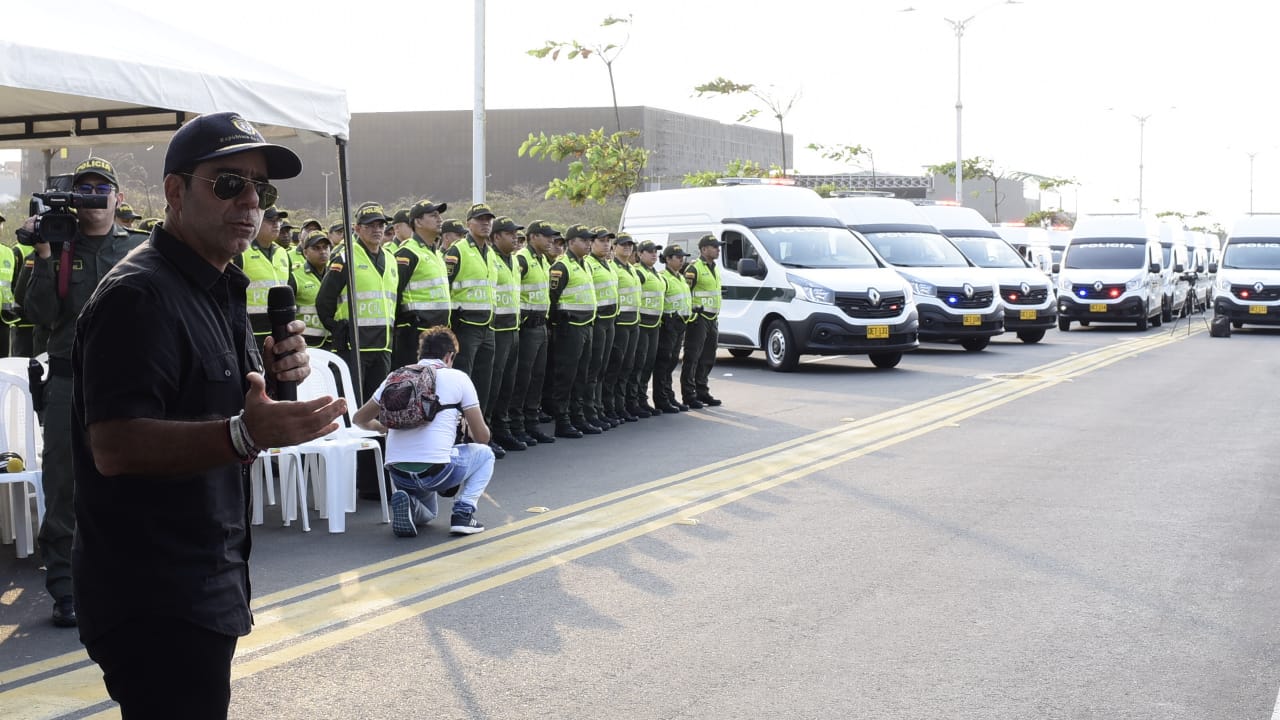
[[1049, 86]]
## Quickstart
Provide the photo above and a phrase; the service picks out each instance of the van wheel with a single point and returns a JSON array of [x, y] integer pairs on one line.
[[1166, 309], [1157, 321], [741, 352], [1064, 324], [780, 348], [1031, 337], [975, 344], [1142, 323], [886, 360]]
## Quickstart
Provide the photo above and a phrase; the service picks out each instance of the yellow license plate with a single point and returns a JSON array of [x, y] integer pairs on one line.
[[1097, 307], [1027, 315], [972, 320], [877, 332], [1257, 309]]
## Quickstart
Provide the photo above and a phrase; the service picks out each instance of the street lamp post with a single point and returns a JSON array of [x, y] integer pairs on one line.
[[326, 174], [959, 26], [1252, 155], [1142, 131]]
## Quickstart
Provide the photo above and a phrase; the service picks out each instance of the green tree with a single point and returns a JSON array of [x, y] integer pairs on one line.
[[600, 166], [979, 168], [605, 52], [778, 105], [736, 168]]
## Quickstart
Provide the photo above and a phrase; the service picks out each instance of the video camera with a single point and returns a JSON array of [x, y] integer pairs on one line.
[[55, 222]]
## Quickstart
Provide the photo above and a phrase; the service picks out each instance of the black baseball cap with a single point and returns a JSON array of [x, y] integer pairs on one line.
[[479, 210], [124, 212], [312, 221], [401, 216], [672, 251], [371, 213], [95, 166], [425, 207], [542, 227], [648, 246], [313, 237], [579, 231], [336, 227], [453, 226], [226, 133], [506, 224], [272, 213], [601, 232], [624, 238], [709, 241]]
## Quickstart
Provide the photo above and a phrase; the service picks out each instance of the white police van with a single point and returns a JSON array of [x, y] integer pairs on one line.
[[1029, 303], [795, 281], [1247, 289], [956, 299], [1111, 272], [1175, 263], [1205, 254]]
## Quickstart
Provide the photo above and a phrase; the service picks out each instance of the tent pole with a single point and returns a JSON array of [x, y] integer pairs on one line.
[[348, 267]]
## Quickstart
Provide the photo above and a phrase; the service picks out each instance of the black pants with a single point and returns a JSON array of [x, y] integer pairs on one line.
[[375, 366], [475, 356], [616, 384], [166, 668], [526, 392], [700, 340], [573, 351], [59, 526], [601, 346], [506, 353], [646, 355], [670, 341]]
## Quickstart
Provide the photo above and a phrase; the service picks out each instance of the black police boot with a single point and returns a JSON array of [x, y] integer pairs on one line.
[[566, 429], [499, 452], [508, 442], [693, 404], [639, 412], [709, 401], [525, 438], [587, 428], [682, 407], [64, 612], [538, 435]]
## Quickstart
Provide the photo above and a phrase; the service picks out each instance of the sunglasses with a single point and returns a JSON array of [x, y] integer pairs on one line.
[[227, 186], [99, 189]]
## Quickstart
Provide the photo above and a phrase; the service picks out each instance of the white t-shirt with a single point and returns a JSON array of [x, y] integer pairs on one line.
[[432, 442]]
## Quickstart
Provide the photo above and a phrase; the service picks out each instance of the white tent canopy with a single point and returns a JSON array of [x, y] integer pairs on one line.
[[106, 74]]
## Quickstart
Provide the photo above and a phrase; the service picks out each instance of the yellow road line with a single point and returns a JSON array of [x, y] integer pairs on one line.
[[336, 609]]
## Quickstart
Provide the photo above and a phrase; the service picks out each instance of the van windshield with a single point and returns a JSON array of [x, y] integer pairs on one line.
[[1106, 255], [1257, 254], [815, 247], [916, 249], [989, 252]]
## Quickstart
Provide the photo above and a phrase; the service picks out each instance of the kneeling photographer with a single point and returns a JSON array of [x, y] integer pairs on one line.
[[76, 241]]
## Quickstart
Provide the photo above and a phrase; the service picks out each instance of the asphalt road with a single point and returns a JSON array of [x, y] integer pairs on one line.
[[1083, 528]]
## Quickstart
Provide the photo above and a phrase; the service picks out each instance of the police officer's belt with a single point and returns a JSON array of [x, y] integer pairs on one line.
[[533, 321]]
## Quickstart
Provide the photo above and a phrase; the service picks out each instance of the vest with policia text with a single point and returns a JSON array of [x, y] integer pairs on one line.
[[535, 289], [606, 286], [375, 299], [506, 298], [652, 289], [308, 283], [472, 288], [706, 288], [677, 298], [628, 294], [428, 287], [264, 273], [577, 301]]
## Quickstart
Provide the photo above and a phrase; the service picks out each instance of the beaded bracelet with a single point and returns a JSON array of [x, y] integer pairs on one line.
[[241, 443]]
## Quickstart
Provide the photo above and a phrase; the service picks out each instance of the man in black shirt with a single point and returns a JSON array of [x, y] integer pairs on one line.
[[169, 408]]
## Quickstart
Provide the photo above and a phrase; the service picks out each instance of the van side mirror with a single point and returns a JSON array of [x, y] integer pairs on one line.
[[1154, 268], [1178, 268], [1057, 268], [1213, 268], [749, 267]]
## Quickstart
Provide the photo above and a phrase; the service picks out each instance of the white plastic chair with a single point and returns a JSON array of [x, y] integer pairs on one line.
[[330, 461], [19, 433]]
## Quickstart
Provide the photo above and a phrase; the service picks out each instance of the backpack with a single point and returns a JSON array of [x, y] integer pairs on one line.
[[409, 398]]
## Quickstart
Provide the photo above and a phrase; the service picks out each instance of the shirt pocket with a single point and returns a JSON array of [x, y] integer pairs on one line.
[[222, 393]]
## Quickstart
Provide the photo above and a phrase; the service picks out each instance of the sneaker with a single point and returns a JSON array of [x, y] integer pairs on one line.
[[64, 612], [402, 515], [464, 523]]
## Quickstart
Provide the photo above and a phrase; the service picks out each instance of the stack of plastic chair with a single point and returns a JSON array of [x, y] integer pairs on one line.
[[330, 461], [20, 434]]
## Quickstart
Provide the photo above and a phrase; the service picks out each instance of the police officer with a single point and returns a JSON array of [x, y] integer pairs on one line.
[[676, 304], [422, 297], [702, 334], [621, 363], [267, 265], [376, 278], [125, 216], [451, 231], [600, 265], [573, 310], [471, 287], [652, 289], [506, 334], [534, 272], [307, 278], [10, 264], [401, 227], [25, 339], [61, 281]]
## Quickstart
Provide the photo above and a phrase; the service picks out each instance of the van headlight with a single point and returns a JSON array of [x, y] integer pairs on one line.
[[921, 288], [1224, 284], [812, 291], [1136, 283], [1064, 283]]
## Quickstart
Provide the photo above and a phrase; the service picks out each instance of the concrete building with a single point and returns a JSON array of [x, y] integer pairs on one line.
[[397, 155]]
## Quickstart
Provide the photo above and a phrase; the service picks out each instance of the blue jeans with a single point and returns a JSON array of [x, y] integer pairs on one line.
[[469, 469]]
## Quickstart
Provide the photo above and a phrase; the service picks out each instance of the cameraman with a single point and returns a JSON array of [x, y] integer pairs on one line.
[[62, 279]]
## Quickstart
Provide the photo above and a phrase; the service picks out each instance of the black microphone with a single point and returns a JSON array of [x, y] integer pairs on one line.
[[280, 312]]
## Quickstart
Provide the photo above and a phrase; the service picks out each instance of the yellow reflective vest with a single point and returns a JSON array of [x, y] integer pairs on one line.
[[652, 289], [606, 286], [705, 281], [628, 293], [307, 281], [506, 299], [428, 286], [472, 288], [535, 287], [375, 299], [677, 298], [264, 273], [577, 302]]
